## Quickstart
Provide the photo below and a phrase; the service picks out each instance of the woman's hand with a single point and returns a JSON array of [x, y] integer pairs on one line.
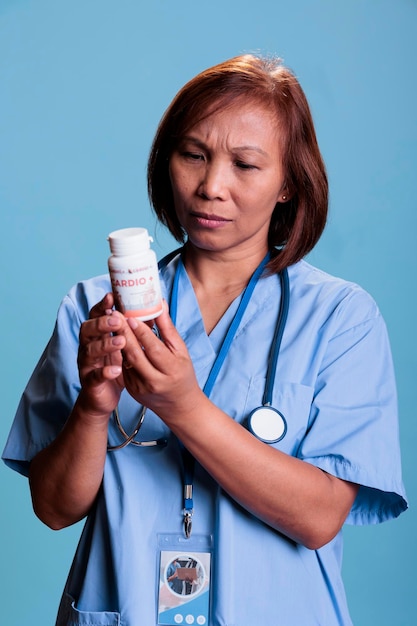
[[100, 359], [158, 372]]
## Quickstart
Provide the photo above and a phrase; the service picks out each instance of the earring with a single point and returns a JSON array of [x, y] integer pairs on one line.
[[284, 198]]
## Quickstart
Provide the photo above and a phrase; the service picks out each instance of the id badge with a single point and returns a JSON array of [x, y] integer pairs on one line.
[[184, 579]]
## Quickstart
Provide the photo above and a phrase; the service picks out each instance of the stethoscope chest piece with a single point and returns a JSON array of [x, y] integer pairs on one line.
[[267, 424]]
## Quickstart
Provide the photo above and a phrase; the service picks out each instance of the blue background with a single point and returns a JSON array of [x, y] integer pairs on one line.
[[82, 87]]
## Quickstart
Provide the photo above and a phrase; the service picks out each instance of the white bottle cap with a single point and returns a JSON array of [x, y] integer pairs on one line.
[[129, 241]]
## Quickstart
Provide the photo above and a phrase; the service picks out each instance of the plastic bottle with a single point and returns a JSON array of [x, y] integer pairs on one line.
[[134, 274]]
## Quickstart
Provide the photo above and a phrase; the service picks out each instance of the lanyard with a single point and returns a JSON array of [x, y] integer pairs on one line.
[[187, 458]]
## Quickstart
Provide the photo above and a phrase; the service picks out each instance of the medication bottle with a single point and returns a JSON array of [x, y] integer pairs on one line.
[[134, 274]]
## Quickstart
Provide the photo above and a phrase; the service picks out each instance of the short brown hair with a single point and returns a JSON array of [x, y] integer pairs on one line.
[[297, 224]]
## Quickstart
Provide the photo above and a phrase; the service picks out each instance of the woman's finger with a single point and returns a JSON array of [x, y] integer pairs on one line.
[[147, 354], [100, 327], [104, 307], [96, 377], [167, 331], [102, 347], [158, 348]]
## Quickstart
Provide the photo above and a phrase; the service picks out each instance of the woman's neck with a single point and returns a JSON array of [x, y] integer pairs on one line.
[[217, 279]]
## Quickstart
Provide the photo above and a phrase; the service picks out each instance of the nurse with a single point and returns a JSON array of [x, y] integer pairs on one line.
[[236, 175]]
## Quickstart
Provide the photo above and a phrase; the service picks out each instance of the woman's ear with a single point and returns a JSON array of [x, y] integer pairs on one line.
[[284, 196]]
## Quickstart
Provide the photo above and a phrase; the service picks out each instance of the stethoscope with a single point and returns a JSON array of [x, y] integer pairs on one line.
[[264, 422]]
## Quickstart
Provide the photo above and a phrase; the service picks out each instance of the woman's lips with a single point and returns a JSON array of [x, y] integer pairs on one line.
[[210, 220]]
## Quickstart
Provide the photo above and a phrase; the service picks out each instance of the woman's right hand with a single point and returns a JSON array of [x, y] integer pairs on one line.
[[100, 360]]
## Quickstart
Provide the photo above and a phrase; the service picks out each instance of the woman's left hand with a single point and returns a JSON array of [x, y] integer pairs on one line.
[[158, 372]]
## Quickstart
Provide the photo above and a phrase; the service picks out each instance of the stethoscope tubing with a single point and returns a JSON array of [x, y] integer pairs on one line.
[[277, 339]]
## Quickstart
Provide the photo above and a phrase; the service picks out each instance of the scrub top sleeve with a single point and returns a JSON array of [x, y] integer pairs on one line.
[[50, 393], [353, 431]]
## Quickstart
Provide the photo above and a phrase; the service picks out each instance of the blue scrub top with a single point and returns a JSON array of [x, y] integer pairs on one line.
[[334, 384]]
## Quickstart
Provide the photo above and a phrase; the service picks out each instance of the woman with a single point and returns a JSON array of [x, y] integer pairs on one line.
[[234, 172]]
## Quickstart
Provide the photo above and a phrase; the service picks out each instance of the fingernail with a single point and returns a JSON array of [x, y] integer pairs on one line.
[[133, 323], [116, 370], [112, 321], [117, 340]]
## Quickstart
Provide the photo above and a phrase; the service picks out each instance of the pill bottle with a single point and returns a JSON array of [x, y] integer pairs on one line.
[[134, 274]]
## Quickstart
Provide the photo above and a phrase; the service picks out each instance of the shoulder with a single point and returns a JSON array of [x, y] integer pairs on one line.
[[334, 297]]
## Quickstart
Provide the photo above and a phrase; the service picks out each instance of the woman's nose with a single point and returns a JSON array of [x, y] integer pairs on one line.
[[213, 184]]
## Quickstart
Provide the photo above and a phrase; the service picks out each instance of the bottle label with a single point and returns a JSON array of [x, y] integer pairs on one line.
[[137, 291]]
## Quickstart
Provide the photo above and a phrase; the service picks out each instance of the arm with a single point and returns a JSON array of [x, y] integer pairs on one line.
[[298, 499], [66, 476]]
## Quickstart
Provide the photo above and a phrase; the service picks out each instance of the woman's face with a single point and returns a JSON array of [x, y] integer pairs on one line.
[[227, 176]]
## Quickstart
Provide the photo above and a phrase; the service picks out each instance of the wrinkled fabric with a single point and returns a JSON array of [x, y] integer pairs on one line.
[[334, 385]]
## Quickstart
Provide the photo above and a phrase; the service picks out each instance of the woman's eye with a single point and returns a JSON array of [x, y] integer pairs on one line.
[[245, 166], [193, 156]]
